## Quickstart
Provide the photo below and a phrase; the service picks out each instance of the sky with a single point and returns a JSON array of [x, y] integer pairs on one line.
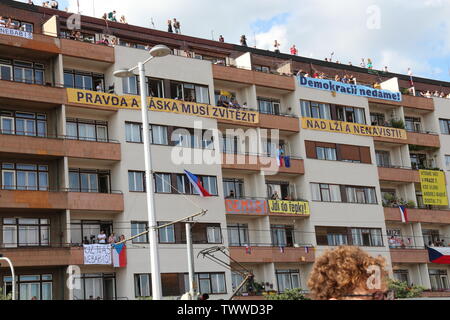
[[399, 34]]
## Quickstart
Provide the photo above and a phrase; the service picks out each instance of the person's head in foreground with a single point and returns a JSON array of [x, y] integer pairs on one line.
[[349, 273]]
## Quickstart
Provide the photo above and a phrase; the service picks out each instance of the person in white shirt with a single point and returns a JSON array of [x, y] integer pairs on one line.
[[2, 22], [102, 237]]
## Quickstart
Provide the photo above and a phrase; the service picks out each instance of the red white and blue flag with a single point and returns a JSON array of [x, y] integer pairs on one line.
[[119, 255], [439, 255], [404, 213], [197, 184]]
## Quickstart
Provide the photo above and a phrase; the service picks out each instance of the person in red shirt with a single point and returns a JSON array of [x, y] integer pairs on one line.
[[294, 50]]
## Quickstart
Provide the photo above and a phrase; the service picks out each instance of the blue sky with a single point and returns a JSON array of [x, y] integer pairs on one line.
[[395, 33]]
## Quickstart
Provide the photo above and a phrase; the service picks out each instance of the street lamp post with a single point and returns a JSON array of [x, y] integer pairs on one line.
[[12, 274], [155, 52]]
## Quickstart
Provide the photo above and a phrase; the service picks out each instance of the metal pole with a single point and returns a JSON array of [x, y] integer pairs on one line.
[[153, 237], [13, 277], [190, 252]]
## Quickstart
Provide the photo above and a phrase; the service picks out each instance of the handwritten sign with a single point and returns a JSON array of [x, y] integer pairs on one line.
[[235, 206], [97, 254], [434, 189], [298, 208]]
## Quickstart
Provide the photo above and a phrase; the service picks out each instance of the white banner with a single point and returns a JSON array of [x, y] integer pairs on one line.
[[97, 254], [16, 33]]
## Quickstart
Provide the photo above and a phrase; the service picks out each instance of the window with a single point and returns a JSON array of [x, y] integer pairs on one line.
[[95, 181], [259, 68], [84, 80], [133, 132], [288, 280], [87, 231], [367, 237], [402, 276], [142, 285], [413, 124], [326, 192], [159, 135], [447, 162], [31, 287], [282, 236], [163, 183], [236, 281], [25, 177], [214, 235], [23, 123], [282, 189], [269, 106], [167, 234], [326, 154], [189, 92], [210, 184], [315, 110], [233, 188], [130, 85], [24, 71], [362, 195], [238, 235], [138, 228], [439, 280], [418, 161], [136, 181], [383, 158], [337, 236], [96, 287], [87, 130], [209, 283], [26, 232], [351, 114], [378, 119], [445, 126]]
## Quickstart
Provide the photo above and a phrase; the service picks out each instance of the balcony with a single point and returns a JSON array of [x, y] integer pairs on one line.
[[39, 43], [424, 139], [54, 46], [409, 256], [255, 163], [273, 255], [398, 174], [251, 77], [32, 93], [419, 215], [87, 50], [43, 257], [53, 147], [409, 101], [283, 123], [18, 199]]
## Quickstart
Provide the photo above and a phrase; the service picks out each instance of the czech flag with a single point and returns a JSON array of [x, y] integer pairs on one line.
[[119, 255], [439, 255], [197, 184], [404, 213]]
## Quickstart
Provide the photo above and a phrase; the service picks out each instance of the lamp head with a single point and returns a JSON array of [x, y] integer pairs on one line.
[[123, 73], [160, 51]]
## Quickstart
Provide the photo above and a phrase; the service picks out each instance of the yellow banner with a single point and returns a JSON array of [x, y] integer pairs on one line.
[[353, 128], [101, 99], [289, 207], [434, 189]]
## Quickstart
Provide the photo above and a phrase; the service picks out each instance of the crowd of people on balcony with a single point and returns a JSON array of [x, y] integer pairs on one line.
[[48, 4], [174, 26], [436, 94], [348, 79], [102, 238], [10, 24], [438, 243]]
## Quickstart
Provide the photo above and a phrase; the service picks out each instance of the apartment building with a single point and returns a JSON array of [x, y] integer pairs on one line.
[[328, 168]]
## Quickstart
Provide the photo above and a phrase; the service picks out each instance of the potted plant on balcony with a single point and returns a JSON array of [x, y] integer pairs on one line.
[[5, 296], [288, 295], [403, 291]]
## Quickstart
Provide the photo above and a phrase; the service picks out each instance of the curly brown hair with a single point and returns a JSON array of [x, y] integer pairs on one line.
[[341, 271]]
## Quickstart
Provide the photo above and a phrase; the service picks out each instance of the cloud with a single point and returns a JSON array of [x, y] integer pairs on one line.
[[411, 33]]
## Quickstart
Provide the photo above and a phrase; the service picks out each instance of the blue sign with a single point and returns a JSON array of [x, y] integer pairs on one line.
[[350, 89]]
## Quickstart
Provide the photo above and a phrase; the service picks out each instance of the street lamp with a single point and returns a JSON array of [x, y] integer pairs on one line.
[[156, 52]]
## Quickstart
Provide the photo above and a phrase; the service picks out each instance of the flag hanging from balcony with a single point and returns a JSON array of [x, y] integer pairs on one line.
[[439, 255], [119, 255], [306, 250], [404, 214], [282, 249], [248, 250], [197, 184]]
